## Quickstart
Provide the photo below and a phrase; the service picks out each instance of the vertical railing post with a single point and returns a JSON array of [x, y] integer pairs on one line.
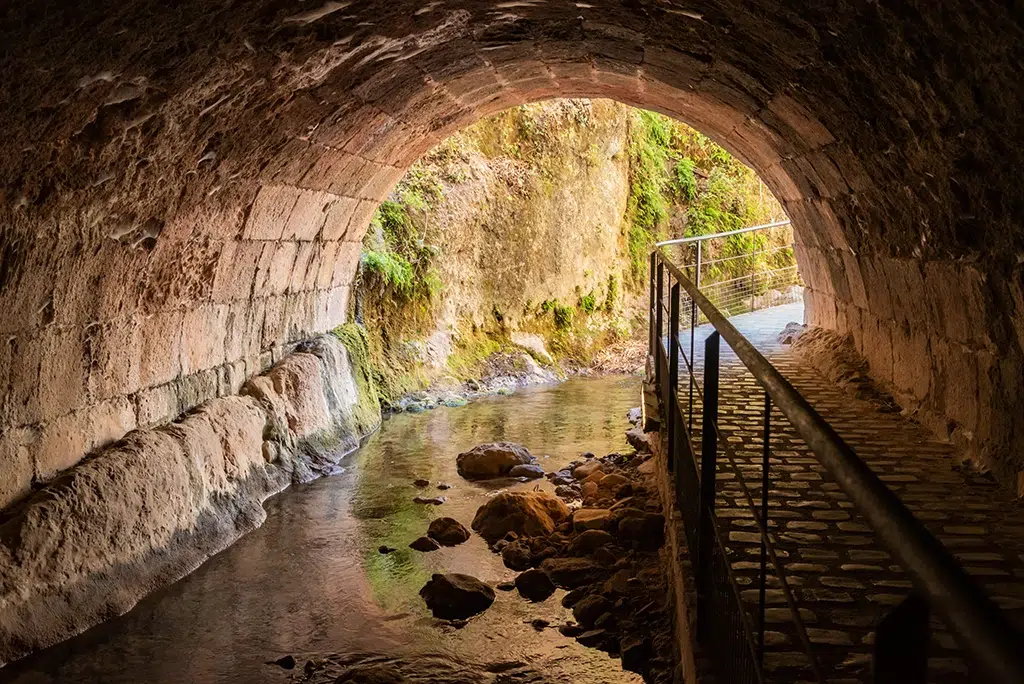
[[659, 323], [652, 350], [751, 291], [901, 644], [709, 452], [673, 372], [693, 361], [764, 519], [696, 279]]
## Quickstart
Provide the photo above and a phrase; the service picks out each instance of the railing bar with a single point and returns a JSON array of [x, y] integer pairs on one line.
[[979, 624], [702, 238]]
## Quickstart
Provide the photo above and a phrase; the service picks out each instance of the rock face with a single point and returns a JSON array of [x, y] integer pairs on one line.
[[456, 597], [447, 531], [160, 501], [525, 513], [492, 460]]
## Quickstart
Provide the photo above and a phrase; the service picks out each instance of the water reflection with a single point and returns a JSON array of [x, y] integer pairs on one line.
[[312, 583]]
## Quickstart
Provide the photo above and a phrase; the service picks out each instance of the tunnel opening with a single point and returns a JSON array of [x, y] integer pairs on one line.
[[185, 195]]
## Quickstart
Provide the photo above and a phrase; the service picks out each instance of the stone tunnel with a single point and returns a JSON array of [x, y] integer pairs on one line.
[[185, 185]]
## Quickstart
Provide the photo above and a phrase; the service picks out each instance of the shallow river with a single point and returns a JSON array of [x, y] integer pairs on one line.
[[311, 583]]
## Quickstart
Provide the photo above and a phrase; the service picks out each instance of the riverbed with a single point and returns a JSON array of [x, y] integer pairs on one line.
[[312, 584]]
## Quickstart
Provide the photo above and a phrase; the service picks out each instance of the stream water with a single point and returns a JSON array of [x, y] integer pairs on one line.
[[311, 582]]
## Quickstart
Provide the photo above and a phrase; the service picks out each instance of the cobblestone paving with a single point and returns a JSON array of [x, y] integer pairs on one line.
[[843, 580]]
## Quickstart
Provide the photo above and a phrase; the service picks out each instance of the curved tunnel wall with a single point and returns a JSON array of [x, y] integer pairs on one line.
[[185, 188]]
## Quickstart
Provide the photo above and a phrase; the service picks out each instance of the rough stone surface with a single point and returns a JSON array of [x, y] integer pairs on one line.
[[456, 597], [153, 506], [525, 513], [590, 518], [492, 460], [528, 471]]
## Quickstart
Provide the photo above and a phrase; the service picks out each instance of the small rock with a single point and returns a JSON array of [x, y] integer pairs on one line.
[[639, 440], [570, 630], [588, 454], [535, 585], [456, 597], [425, 544], [421, 483], [589, 541], [573, 597], [584, 471], [517, 556], [613, 482], [589, 518], [634, 415], [589, 491], [605, 556], [540, 624], [605, 622], [528, 471], [447, 531], [592, 638], [287, 662], [386, 549], [635, 653], [645, 533], [506, 586], [567, 492], [443, 485], [570, 573], [590, 608], [431, 501]]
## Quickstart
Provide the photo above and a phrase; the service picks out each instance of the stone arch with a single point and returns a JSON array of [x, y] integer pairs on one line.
[[185, 188]]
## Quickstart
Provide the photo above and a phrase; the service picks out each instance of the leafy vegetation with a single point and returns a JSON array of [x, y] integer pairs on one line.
[[366, 413]]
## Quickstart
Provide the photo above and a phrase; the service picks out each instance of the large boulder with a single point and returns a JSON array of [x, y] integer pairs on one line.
[[447, 531], [528, 514], [492, 460], [456, 597]]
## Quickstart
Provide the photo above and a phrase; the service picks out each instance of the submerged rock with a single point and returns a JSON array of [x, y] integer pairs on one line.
[[421, 483], [425, 544], [455, 596], [430, 501], [287, 662], [590, 608], [527, 470], [582, 472], [447, 531], [385, 549], [525, 513], [535, 585], [492, 460], [516, 555]]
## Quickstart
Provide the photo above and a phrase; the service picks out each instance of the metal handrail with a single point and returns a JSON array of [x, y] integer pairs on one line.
[[702, 238], [980, 626]]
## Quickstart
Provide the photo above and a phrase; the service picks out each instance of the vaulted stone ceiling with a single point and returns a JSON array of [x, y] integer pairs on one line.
[[185, 185]]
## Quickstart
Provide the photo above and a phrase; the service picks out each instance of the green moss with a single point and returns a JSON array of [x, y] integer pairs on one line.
[[563, 316], [612, 294], [470, 354], [366, 412], [588, 303]]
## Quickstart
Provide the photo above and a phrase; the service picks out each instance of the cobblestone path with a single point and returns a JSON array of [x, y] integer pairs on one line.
[[843, 580]]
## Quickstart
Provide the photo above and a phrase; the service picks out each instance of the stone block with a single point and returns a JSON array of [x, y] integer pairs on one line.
[[337, 307], [345, 263], [270, 212], [241, 333], [380, 183], [325, 269], [878, 347], [803, 123], [26, 357], [280, 274], [274, 322], [958, 369], [197, 388], [109, 421], [62, 373], [236, 270], [116, 358], [231, 377], [308, 214], [303, 258], [300, 316], [339, 215], [202, 337], [156, 405], [161, 356], [854, 279], [62, 443], [876, 286], [16, 466]]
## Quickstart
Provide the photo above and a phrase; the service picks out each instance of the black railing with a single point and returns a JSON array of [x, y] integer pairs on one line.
[[734, 638]]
